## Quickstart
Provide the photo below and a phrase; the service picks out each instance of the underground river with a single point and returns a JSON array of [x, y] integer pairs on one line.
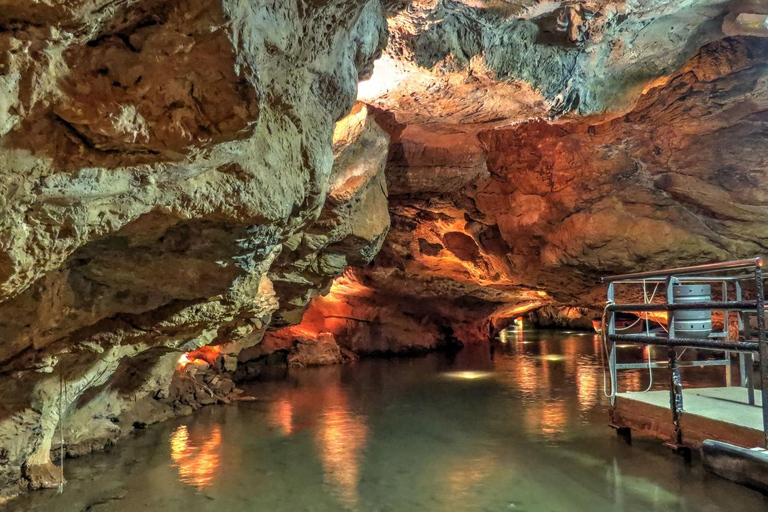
[[524, 428]]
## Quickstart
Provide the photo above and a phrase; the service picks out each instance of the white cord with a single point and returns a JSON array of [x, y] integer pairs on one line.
[[604, 337], [648, 333]]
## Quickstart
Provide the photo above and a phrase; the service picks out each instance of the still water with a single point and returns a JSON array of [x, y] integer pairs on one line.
[[522, 429]]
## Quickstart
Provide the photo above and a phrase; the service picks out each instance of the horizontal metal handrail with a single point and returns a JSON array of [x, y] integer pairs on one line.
[[696, 269], [731, 305], [703, 343], [683, 279], [665, 364]]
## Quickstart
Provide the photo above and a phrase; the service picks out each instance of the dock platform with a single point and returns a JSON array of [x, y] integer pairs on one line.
[[720, 413]]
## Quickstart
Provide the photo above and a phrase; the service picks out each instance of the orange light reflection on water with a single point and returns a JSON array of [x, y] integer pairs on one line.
[[548, 419], [197, 464], [464, 476], [341, 438], [339, 433], [281, 416], [587, 382]]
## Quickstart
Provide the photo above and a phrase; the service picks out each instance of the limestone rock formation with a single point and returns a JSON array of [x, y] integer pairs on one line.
[[161, 163], [537, 211], [179, 176], [539, 145]]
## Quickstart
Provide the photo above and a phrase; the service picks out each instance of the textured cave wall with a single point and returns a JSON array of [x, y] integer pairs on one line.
[[534, 213], [536, 146], [180, 174], [164, 168], [487, 61]]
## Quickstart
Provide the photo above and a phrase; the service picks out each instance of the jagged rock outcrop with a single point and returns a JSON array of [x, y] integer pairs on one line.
[[160, 164], [465, 62], [501, 204], [550, 206], [179, 174]]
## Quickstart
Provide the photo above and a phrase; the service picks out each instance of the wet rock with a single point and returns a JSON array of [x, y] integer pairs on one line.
[[157, 160], [551, 205], [42, 476], [564, 317]]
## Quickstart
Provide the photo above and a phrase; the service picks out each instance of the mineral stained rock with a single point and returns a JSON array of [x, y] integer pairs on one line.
[[165, 169], [536, 146], [182, 176]]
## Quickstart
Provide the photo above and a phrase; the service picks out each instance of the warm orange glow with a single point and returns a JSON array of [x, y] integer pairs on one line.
[[631, 381], [467, 375], [281, 415], [587, 382], [197, 465], [342, 436], [547, 420], [515, 311], [524, 375], [203, 355], [184, 360], [345, 286], [464, 475], [660, 317]]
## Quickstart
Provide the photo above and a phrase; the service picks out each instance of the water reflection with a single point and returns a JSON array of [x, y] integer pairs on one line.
[[468, 375], [463, 477], [197, 462], [547, 421], [340, 434], [281, 415], [588, 384], [403, 435], [341, 439]]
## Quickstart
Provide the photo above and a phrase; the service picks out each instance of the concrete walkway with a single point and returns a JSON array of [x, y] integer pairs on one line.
[[729, 405], [722, 414]]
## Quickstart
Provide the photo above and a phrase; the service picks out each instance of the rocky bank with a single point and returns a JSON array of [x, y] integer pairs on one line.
[[206, 177]]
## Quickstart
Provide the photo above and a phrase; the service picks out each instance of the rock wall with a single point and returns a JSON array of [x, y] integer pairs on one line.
[[179, 176], [531, 214], [539, 145], [166, 182]]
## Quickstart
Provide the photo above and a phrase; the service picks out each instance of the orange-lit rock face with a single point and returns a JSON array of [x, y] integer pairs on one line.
[[180, 174], [360, 319], [547, 207], [168, 182], [601, 194], [497, 207], [351, 227], [206, 355]]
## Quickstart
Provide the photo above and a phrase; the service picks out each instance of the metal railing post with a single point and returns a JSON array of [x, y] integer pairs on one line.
[[727, 329], [670, 313], [763, 347], [739, 329], [675, 396]]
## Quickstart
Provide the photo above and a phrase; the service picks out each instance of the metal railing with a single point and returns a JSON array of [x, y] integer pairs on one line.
[[745, 343]]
